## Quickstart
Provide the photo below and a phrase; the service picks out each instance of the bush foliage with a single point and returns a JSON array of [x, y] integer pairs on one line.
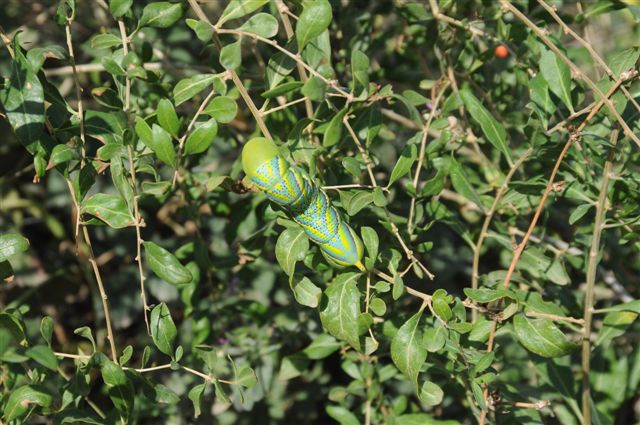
[[487, 153]]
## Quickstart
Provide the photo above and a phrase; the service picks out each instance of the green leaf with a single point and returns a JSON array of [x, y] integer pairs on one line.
[[278, 67], [314, 19], [404, 163], [321, 347], [165, 265], [371, 242], [407, 351], [624, 60], [359, 201], [231, 55], [491, 128], [541, 336], [557, 75], [342, 415], [431, 394], [340, 314], [23, 398], [43, 355], [222, 108], [112, 209], [119, 388], [262, 24], [239, 8], [12, 244], [201, 138], [108, 127], [23, 101], [86, 333], [291, 247], [487, 295], [282, 89], [579, 212], [46, 329], [203, 30], [119, 8], [105, 41], [195, 395], [127, 352], [307, 293], [163, 330], [333, 132], [461, 184], [360, 72], [378, 306], [62, 153], [167, 117], [615, 324], [246, 377], [633, 306], [160, 14], [189, 87]]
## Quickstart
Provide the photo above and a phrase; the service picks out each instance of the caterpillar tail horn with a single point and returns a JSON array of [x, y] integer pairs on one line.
[[304, 202]]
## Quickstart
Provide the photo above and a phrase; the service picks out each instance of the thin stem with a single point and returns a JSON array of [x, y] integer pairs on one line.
[[103, 294], [487, 221], [76, 83], [592, 267], [555, 317], [187, 132], [283, 106], [365, 156], [423, 144], [134, 184], [284, 12]]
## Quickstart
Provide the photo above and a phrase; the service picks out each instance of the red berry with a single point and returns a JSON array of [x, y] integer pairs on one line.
[[501, 51]]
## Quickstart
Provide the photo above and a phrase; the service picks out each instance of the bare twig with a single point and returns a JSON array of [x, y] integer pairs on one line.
[[601, 209], [367, 161]]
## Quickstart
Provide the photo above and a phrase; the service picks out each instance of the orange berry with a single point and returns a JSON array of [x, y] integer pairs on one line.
[[501, 51]]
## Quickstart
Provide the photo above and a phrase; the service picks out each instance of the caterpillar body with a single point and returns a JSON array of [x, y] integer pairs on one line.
[[307, 205]]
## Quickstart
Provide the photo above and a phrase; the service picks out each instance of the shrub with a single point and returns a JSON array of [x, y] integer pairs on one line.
[[486, 152]]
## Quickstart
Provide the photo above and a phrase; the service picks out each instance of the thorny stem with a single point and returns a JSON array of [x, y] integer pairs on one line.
[[487, 221], [601, 209], [134, 185]]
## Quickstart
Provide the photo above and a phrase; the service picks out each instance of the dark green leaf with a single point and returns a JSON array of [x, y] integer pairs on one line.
[[340, 315], [541, 336], [491, 128], [404, 163], [262, 24], [557, 75], [307, 293], [314, 19], [321, 347], [222, 108], [163, 330], [160, 14], [195, 395], [119, 8], [239, 8], [189, 87], [291, 247], [43, 355], [23, 398], [333, 132], [231, 55], [201, 138], [167, 117], [111, 209], [165, 265], [407, 351]]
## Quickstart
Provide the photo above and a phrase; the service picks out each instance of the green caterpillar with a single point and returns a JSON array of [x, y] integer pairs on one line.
[[306, 204]]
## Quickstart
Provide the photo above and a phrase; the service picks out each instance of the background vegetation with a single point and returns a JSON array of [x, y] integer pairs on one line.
[[496, 191]]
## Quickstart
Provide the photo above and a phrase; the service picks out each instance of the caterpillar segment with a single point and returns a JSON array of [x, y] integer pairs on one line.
[[307, 205]]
